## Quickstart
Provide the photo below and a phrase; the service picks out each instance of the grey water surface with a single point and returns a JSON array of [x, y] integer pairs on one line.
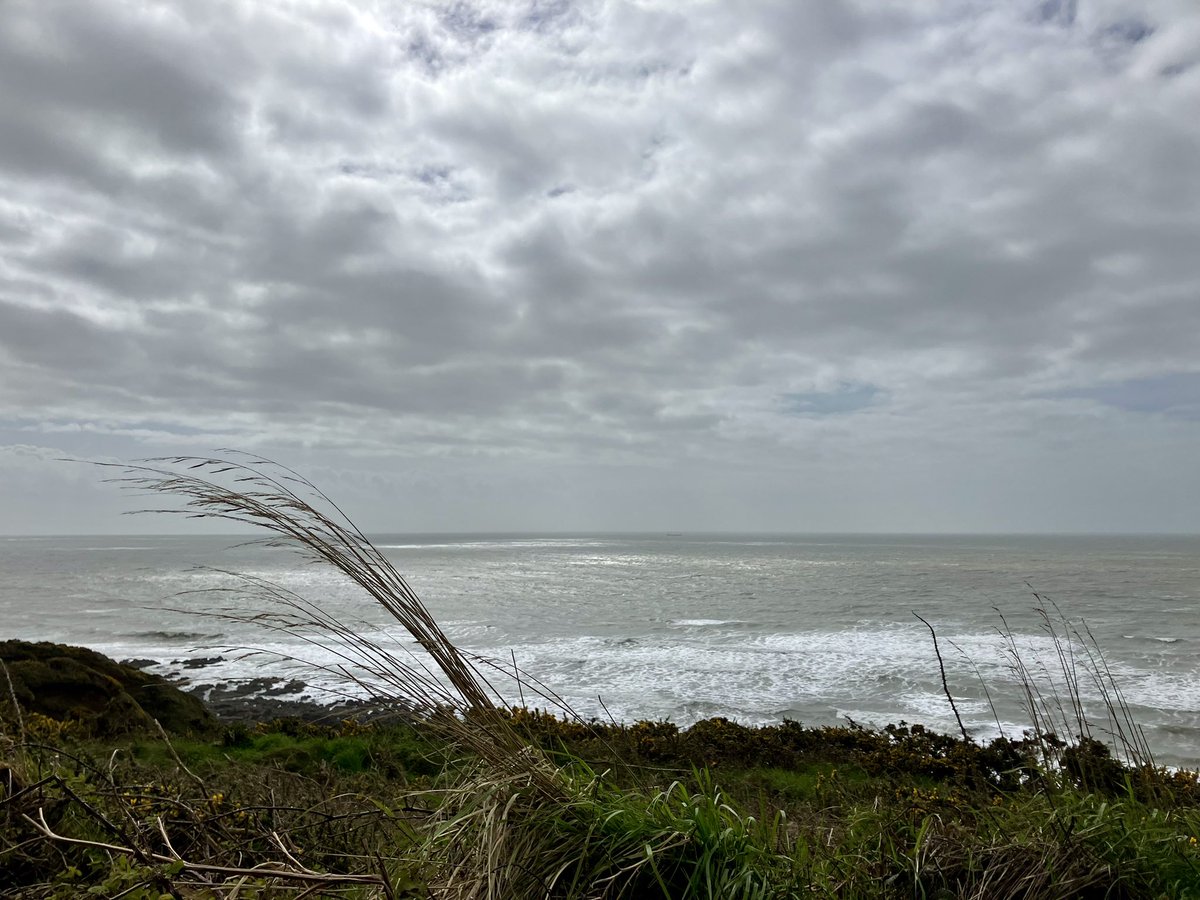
[[814, 628]]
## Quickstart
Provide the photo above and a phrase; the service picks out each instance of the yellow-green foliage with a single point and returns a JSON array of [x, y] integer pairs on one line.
[[835, 812]]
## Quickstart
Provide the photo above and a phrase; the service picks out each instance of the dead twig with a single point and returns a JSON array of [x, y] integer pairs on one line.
[[945, 685], [230, 871]]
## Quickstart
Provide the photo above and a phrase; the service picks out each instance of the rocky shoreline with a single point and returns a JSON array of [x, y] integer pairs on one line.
[[262, 699], [268, 699], [108, 697]]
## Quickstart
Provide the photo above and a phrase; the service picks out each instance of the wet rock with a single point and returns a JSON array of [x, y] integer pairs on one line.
[[199, 662], [267, 699], [140, 663]]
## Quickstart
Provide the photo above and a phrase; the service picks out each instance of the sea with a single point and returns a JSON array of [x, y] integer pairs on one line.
[[820, 629]]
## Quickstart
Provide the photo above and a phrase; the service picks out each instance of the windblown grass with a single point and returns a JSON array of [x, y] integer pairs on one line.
[[523, 826], [1070, 734]]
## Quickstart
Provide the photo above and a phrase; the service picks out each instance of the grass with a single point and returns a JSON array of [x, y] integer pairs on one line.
[[859, 815], [400, 752], [470, 798]]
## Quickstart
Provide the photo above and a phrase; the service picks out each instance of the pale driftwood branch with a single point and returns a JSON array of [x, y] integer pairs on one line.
[[171, 747], [162, 829], [295, 862], [232, 871]]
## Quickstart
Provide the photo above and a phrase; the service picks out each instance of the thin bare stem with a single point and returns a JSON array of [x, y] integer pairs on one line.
[[945, 685]]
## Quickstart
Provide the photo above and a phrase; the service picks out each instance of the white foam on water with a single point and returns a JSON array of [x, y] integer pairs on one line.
[[758, 675], [512, 544], [702, 623], [104, 549], [1176, 692], [874, 675], [664, 630], [462, 632], [659, 678]]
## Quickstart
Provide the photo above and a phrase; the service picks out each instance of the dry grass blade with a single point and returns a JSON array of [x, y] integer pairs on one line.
[[1054, 693], [252, 491]]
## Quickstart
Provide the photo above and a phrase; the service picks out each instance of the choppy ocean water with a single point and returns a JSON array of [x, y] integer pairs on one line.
[[756, 628]]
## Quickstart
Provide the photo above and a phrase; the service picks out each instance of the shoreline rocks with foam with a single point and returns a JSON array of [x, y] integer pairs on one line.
[[105, 697]]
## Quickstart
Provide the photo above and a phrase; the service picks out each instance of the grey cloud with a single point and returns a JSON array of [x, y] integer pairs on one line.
[[55, 339], [703, 250], [1125, 32], [1145, 331], [1058, 12], [101, 67]]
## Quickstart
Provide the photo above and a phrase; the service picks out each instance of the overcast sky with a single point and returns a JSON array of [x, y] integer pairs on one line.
[[523, 266]]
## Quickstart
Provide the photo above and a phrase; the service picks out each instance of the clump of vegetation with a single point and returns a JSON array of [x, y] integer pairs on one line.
[[93, 693], [399, 810], [464, 796]]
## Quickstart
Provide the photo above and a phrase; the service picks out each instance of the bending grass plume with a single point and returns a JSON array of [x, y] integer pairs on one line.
[[520, 826]]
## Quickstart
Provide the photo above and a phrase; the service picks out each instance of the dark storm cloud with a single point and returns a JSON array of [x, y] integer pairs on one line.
[[698, 248]]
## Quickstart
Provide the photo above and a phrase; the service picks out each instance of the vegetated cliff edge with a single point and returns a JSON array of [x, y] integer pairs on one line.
[[101, 696]]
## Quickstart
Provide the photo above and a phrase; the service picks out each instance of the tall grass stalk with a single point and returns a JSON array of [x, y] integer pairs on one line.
[[1053, 692], [520, 826], [252, 491]]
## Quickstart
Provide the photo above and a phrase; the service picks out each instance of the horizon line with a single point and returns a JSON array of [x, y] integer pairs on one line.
[[614, 533]]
